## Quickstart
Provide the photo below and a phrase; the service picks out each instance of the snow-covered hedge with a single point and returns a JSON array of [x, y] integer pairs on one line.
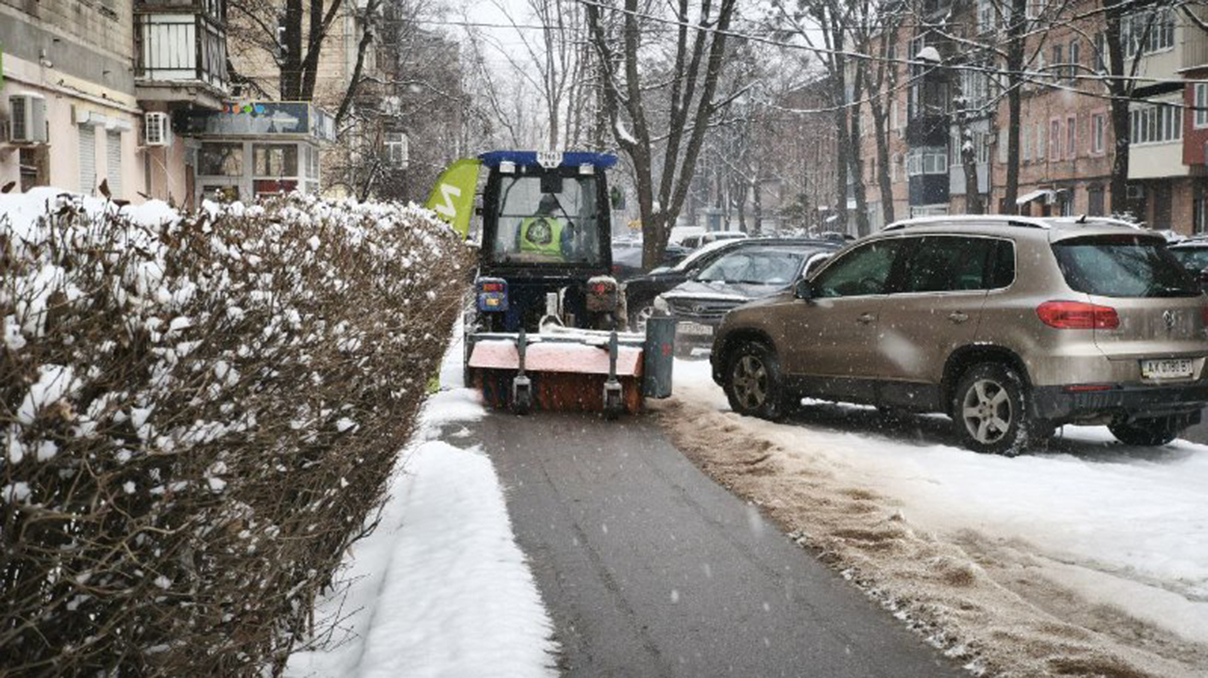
[[198, 415]]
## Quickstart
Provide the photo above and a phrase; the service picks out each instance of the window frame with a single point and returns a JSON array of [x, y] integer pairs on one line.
[[913, 243], [892, 277], [1199, 98]]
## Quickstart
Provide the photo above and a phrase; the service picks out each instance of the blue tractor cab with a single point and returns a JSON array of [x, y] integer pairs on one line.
[[547, 324], [546, 228]]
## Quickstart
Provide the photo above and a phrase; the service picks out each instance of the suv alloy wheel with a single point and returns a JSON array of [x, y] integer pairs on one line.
[[753, 382], [989, 410]]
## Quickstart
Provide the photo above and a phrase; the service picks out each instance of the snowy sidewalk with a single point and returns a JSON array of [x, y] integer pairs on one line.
[[440, 587]]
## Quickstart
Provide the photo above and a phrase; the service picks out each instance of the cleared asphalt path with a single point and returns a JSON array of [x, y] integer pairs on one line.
[[651, 569]]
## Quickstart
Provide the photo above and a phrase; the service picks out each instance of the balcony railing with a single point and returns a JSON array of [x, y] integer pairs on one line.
[[181, 48]]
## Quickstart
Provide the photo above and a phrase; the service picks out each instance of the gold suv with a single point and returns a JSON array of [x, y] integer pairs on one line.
[[1009, 325]]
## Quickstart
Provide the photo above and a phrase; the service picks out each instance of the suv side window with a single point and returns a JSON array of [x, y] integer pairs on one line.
[[950, 264], [863, 271], [1002, 273]]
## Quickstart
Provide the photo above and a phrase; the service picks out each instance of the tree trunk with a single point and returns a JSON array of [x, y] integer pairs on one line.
[[973, 198], [884, 169], [291, 63], [1121, 91], [1016, 31]]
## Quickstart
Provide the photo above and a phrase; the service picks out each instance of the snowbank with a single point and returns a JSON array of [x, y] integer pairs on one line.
[[1088, 558], [440, 588]]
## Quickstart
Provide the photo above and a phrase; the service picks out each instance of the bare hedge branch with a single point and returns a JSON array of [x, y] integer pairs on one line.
[[197, 418]]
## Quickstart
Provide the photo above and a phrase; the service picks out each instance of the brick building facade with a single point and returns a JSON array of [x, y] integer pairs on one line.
[[1066, 141]]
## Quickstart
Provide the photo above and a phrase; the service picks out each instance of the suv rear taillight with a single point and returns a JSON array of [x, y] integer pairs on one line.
[[1077, 315], [1204, 315]]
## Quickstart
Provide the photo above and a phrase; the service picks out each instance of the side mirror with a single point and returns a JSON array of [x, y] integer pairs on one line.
[[1203, 277], [803, 290]]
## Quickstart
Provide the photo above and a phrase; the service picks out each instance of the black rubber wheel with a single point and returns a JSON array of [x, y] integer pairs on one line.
[[642, 311], [1147, 432], [990, 410], [753, 382]]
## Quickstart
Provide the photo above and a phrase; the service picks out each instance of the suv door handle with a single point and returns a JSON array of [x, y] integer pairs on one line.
[[866, 318], [958, 317]]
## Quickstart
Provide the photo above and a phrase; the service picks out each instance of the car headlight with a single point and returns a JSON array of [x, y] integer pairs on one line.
[[660, 304]]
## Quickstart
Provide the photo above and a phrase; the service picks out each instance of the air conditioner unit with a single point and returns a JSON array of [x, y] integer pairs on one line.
[[157, 129], [27, 119]]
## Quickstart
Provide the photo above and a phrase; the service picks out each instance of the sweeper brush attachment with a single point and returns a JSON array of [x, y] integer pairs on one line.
[[573, 370]]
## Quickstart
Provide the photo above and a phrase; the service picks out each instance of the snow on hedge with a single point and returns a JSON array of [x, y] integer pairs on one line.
[[199, 412]]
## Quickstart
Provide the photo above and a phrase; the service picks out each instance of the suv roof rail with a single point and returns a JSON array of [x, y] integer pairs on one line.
[[1084, 219], [1010, 220], [987, 219]]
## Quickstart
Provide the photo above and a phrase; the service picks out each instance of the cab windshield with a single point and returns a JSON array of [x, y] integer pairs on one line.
[[536, 227]]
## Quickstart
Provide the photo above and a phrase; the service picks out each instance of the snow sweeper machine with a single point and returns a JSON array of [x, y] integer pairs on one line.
[[546, 328]]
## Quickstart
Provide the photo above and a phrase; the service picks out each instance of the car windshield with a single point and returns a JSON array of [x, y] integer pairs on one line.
[[536, 227], [1123, 266], [1192, 258], [692, 259], [755, 266]]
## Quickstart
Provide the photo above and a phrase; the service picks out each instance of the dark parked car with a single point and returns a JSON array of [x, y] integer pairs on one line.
[[627, 258], [1193, 255], [642, 290], [763, 268]]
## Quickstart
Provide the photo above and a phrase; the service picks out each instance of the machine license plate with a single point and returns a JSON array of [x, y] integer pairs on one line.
[[695, 328], [1178, 368]]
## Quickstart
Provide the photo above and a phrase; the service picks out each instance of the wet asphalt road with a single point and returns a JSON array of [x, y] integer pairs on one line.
[[649, 568]]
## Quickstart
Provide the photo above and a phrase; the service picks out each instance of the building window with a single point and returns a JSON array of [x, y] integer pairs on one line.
[[1199, 212], [1156, 124], [87, 159], [1039, 141], [1025, 142], [397, 150], [113, 163], [1054, 139], [1058, 64], [1071, 137], [985, 15], [1098, 132], [1100, 52], [220, 159], [1036, 8], [275, 160], [926, 161], [1094, 201], [1147, 32], [893, 167], [1201, 105], [1075, 62]]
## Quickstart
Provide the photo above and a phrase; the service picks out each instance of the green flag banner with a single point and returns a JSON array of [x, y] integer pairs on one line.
[[453, 197]]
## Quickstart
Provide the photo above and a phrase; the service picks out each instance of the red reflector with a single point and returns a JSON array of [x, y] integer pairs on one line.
[[1088, 387], [1078, 315], [1204, 315], [601, 288], [492, 287]]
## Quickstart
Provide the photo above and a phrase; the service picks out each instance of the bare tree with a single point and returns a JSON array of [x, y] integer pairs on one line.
[[698, 50]]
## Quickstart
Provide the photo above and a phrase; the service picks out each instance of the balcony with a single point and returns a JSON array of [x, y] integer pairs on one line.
[[928, 129], [181, 51]]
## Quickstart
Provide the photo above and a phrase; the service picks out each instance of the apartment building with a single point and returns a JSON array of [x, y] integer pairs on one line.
[[1066, 142], [69, 99], [134, 96]]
